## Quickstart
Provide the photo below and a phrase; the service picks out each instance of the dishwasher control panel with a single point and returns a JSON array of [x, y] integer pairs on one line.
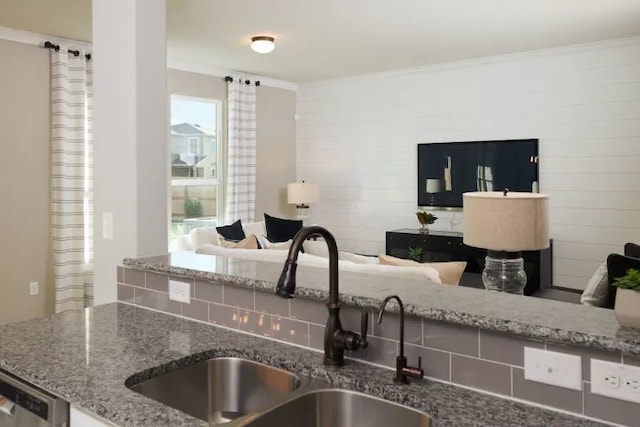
[[25, 400]]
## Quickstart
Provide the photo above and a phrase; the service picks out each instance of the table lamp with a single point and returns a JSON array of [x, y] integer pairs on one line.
[[302, 195], [505, 223], [432, 187]]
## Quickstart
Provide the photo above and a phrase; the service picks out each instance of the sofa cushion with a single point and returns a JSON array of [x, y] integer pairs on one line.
[[202, 236], [232, 232], [249, 242], [595, 294], [316, 247], [450, 272], [280, 229], [358, 259]]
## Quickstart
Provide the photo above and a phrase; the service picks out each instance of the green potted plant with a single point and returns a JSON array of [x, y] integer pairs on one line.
[[416, 253], [425, 218], [627, 307]]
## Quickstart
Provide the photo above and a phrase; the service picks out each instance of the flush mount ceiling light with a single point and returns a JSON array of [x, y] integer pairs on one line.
[[262, 44]]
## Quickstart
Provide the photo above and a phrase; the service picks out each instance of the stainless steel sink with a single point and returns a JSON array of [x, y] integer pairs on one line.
[[221, 389], [340, 408]]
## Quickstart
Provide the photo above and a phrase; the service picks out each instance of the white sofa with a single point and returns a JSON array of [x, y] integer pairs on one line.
[[208, 235], [205, 241]]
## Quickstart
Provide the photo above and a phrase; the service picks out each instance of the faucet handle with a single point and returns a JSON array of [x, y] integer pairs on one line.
[[364, 327]]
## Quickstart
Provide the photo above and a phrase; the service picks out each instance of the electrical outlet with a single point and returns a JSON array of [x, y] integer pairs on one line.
[[107, 225], [615, 380], [180, 291], [34, 288], [550, 367]]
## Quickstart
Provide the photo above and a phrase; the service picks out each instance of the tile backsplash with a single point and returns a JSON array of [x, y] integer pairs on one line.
[[461, 355]]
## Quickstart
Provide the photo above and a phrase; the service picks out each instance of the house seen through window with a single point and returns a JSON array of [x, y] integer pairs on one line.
[[194, 163]]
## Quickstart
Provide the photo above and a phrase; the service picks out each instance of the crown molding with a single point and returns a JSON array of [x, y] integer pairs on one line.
[[210, 70], [486, 60], [36, 39]]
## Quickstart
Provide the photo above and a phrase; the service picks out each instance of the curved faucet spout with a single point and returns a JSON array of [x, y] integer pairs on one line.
[[287, 283], [336, 339], [381, 312]]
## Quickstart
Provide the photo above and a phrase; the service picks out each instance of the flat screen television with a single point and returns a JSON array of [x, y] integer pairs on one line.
[[448, 169]]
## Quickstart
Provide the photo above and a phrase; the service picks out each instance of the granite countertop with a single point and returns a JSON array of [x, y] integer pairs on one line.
[[537, 318], [86, 356]]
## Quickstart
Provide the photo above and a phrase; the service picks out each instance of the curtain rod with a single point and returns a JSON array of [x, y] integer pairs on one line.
[[248, 82], [56, 47]]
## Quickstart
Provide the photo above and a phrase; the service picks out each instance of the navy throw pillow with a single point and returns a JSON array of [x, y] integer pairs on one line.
[[233, 232], [280, 229]]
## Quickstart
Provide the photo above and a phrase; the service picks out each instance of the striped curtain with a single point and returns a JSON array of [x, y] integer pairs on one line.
[[241, 148], [71, 179]]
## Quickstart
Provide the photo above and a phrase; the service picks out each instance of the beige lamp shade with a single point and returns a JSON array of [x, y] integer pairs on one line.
[[512, 223], [301, 193]]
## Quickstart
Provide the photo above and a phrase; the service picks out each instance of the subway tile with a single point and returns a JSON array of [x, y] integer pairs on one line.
[[134, 277], [380, 350], [290, 330], [208, 291], [157, 300], [390, 328], [505, 348], [435, 363], [120, 274], [316, 336], [481, 374], [545, 394], [308, 310], [351, 318], [125, 293], [198, 310], [267, 302], [587, 354], [449, 337], [238, 297], [256, 323], [158, 282], [631, 360], [224, 315], [612, 410]]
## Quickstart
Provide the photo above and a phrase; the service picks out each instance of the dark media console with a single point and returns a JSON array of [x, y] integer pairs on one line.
[[441, 246]]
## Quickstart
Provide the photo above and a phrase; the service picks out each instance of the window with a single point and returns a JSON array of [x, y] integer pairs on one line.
[[195, 155]]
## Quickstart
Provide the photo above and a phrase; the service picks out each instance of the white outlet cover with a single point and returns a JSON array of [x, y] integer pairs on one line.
[[107, 225], [628, 380], [34, 288], [550, 367], [180, 291]]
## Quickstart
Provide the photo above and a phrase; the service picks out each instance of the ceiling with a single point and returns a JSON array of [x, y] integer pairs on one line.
[[322, 39]]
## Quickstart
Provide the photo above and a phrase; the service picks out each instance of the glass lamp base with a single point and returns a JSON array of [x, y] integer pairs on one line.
[[302, 212], [504, 272]]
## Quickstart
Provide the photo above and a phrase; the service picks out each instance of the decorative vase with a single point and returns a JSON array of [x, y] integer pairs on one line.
[[424, 228], [627, 307]]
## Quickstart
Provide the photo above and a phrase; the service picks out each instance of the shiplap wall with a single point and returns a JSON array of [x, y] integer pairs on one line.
[[357, 138]]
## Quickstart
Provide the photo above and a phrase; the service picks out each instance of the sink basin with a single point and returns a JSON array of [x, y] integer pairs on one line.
[[221, 389], [340, 408]]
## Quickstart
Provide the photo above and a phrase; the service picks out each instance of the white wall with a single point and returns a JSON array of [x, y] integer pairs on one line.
[[357, 138]]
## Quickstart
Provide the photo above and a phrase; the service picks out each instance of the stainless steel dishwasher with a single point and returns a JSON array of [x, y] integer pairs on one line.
[[28, 406]]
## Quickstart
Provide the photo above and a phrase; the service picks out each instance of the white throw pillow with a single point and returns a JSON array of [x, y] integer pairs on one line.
[[316, 247], [266, 244], [358, 259], [595, 294]]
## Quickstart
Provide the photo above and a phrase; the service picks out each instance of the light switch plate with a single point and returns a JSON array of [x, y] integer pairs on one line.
[[180, 291], [550, 367], [615, 380], [107, 225]]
